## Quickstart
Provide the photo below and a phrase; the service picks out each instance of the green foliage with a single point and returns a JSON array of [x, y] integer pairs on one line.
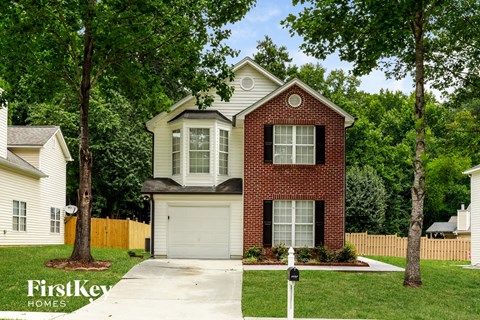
[[303, 254], [348, 253], [324, 254], [255, 253], [366, 200], [274, 58], [280, 251]]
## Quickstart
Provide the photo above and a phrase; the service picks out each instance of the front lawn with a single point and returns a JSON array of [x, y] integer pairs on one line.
[[20, 264], [448, 292]]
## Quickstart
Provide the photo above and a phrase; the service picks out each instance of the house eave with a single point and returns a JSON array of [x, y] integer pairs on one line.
[[472, 170], [4, 163]]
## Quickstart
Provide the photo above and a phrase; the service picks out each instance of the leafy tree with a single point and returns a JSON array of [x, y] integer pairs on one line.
[[366, 200], [398, 37], [59, 46], [274, 58], [447, 187]]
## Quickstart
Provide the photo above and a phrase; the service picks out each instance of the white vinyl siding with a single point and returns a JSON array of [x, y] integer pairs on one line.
[[176, 151], [475, 217], [199, 150], [293, 223], [19, 216], [40, 194], [294, 144], [54, 220], [3, 131], [223, 153]]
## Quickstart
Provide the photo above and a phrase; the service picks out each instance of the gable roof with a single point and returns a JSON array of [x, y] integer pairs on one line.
[[35, 137], [201, 114], [472, 170], [245, 61], [15, 163], [296, 82], [442, 227]]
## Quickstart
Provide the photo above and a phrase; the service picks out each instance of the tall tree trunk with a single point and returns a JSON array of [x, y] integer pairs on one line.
[[81, 249], [412, 271]]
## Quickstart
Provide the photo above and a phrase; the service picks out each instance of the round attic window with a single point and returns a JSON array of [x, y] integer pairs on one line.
[[247, 83], [294, 100]]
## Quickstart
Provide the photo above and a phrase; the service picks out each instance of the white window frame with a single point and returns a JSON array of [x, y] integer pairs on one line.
[[223, 152], [293, 145], [293, 223], [200, 151], [176, 161], [55, 220], [19, 212]]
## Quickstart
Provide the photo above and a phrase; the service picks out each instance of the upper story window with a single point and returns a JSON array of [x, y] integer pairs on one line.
[[176, 151], [54, 220], [199, 150], [19, 216], [294, 144], [223, 153]]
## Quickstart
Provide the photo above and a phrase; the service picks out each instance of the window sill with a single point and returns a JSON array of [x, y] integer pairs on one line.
[[287, 166]]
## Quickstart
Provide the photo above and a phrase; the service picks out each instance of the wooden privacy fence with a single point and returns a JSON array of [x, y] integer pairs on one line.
[[112, 233], [391, 245]]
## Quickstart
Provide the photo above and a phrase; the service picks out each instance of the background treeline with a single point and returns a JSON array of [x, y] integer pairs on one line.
[[379, 150]]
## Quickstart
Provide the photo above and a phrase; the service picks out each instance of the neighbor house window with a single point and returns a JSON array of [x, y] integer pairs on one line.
[[294, 144], [19, 216], [176, 151], [223, 153], [293, 223], [54, 220], [199, 150]]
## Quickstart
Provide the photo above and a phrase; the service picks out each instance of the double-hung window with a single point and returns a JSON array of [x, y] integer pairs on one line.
[[176, 151], [19, 216], [293, 223], [294, 144], [199, 151], [223, 153], [54, 220]]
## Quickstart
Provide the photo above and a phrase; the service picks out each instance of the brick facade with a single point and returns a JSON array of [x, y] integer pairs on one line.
[[266, 181]]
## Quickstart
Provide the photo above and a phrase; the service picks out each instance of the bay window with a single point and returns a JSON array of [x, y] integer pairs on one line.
[[199, 150]]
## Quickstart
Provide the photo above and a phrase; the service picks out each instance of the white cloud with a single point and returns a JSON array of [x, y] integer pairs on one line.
[[262, 14]]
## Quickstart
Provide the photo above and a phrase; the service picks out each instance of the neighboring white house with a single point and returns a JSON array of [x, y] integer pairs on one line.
[[457, 227], [33, 161], [474, 174]]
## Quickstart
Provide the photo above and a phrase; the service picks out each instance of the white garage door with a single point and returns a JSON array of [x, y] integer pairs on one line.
[[198, 232]]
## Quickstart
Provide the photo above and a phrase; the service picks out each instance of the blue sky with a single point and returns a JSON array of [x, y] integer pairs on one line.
[[264, 19]]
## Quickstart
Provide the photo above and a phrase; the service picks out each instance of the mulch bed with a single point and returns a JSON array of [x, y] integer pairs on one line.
[[342, 264], [65, 264]]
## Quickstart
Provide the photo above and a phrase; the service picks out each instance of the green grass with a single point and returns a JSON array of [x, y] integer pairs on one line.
[[19, 264], [448, 292]]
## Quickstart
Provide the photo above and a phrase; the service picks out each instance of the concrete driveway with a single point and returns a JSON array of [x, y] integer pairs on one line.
[[172, 289]]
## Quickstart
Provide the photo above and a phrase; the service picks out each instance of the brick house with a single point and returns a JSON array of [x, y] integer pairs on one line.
[[267, 167]]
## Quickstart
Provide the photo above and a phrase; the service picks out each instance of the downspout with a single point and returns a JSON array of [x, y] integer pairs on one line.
[[152, 202], [345, 177]]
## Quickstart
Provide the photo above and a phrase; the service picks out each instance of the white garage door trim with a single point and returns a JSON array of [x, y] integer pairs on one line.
[[199, 231]]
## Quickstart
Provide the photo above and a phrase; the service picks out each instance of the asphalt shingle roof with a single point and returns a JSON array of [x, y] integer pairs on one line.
[[167, 185], [15, 161], [30, 136], [438, 227]]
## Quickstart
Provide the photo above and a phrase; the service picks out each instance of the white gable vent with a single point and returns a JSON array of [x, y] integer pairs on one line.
[[294, 100], [247, 83]]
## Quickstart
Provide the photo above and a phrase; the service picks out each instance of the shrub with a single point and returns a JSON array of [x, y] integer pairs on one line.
[[303, 254], [324, 254], [255, 252], [348, 253], [280, 251]]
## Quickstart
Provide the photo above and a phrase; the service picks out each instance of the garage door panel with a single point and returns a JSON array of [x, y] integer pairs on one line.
[[198, 232]]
